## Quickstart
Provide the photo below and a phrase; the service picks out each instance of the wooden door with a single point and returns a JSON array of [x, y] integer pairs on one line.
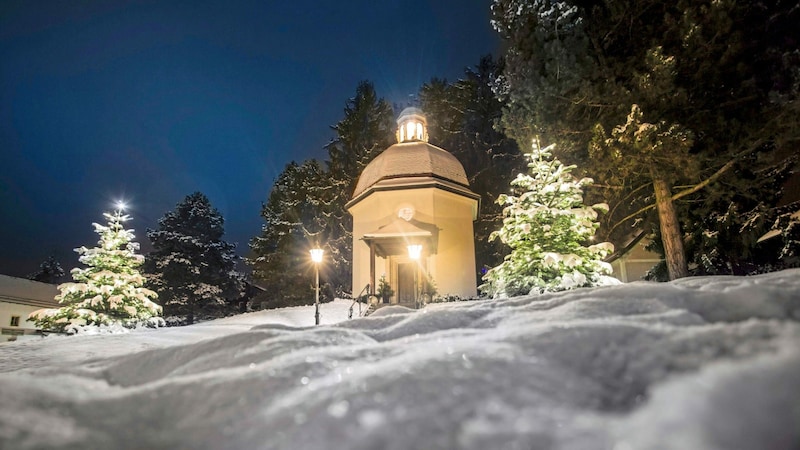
[[405, 283]]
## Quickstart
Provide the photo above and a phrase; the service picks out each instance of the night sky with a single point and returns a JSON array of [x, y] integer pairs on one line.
[[149, 101]]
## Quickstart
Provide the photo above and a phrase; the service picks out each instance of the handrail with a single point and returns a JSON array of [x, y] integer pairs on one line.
[[357, 300]]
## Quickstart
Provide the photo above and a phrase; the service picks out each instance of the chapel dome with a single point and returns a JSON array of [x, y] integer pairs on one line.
[[412, 157]]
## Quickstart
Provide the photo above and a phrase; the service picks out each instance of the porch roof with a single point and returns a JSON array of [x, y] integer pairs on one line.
[[395, 237]]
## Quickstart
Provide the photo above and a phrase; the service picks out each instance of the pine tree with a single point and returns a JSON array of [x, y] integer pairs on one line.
[[547, 227], [191, 267], [109, 291], [664, 103], [306, 206], [787, 226], [293, 223], [366, 130], [50, 271]]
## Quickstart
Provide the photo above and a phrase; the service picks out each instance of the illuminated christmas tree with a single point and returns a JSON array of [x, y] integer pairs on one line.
[[109, 291], [548, 228]]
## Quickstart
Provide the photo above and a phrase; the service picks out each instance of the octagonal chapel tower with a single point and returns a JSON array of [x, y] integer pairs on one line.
[[412, 219]]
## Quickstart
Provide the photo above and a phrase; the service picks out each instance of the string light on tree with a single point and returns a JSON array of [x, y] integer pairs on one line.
[[109, 291], [547, 226]]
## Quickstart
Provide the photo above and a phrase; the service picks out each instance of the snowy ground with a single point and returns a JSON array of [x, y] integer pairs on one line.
[[702, 363]]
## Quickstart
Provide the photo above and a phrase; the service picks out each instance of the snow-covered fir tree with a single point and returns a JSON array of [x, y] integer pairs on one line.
[[366, 129], [50, 271], [293, 217], [787, 227], [306, 206], [547, 226], [191, 267], [109, 291]]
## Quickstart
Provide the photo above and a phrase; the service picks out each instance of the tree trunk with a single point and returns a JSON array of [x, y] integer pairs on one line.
[[670, 231]]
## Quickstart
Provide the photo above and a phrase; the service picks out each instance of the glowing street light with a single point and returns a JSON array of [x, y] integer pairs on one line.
[[316, 256]]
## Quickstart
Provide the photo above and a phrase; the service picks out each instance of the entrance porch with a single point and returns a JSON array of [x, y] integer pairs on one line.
[[406, 246]]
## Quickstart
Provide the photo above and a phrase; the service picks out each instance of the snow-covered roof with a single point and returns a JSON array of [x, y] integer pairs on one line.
[[26, 292], [410, 111], [412, 159]]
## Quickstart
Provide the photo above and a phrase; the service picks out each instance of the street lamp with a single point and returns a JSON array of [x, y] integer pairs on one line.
[[316, 256], [414, 252]]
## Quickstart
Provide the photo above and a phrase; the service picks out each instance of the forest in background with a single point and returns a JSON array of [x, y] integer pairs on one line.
[[684, 114]]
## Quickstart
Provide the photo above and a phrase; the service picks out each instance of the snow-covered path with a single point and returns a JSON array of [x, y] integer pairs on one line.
[[703, 363]]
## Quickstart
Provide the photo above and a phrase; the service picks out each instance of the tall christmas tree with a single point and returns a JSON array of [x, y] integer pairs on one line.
[[109, 291], [548, 228]]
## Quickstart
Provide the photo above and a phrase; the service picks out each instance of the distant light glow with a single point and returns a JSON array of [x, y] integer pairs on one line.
[[316, 255], [121, 205]]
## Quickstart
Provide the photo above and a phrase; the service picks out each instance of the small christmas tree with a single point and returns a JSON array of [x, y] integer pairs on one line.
[[109, 291], [385, 290], [547, 227]]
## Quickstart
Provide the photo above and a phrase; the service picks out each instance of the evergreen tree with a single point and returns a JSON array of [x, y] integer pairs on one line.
[[109, 291], [787, 226], [723, 231], [293, 224], [191, 267], [50, 271], [306, 206], [365, 131], [666, 104], [547, 227]]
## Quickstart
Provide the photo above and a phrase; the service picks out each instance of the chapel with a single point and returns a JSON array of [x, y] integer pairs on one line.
[[413, 214]]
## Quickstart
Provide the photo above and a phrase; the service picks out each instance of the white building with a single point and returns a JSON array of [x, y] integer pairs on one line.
[[18, 298]]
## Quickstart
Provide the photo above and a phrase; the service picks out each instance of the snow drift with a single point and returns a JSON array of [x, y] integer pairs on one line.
[[700, 363]]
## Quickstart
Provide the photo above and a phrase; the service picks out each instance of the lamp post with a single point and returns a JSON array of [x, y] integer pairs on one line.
[[316, 256], [414, 252]]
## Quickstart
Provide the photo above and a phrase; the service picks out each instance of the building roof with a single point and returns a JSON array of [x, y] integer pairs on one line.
[[26, 292], [394, 237], [410, 111], [412, 159]]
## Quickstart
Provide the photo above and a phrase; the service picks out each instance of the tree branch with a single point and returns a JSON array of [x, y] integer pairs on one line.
[[685, 192], [631, 216], [707, 181]]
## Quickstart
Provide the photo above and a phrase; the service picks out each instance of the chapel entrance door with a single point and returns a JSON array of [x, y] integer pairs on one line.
[[405, 284]]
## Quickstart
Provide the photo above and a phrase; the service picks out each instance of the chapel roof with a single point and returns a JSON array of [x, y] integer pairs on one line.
[[412, 159]]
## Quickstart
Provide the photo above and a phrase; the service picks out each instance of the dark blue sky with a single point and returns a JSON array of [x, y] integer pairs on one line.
[[150, 101]]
